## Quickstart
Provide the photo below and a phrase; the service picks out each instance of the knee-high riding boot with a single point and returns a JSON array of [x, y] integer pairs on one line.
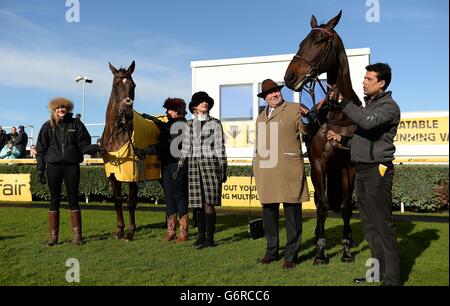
[[75, 216], [53, 223], [201, 236], [210, 222]]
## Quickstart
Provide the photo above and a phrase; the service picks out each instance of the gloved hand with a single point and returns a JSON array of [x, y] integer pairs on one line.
[[224, 174], [42, 177], [139, 153], [102, 152], [224, 178]]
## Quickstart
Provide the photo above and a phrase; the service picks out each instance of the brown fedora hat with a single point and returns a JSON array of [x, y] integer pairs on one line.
[[269, 86]]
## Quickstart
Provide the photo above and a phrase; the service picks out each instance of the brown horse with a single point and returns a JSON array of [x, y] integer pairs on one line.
[[332, 172], [117, 133]]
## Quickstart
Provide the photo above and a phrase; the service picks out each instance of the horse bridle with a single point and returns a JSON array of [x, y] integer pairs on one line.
[[313, 73], [119, 124]]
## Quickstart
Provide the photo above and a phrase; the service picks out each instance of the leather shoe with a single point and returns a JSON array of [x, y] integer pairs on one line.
[[266, 259], [288, 264], [360, 280]]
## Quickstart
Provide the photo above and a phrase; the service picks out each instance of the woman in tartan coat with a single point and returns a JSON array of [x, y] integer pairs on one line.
[[204, 149]]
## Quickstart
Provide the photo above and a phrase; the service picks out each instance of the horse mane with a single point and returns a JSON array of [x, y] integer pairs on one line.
[[341, 77]]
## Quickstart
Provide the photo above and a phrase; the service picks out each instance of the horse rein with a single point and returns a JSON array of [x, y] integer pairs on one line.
[[313, 73]]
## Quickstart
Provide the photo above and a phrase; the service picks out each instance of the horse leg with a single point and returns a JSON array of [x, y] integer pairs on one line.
[[132, 203], [346, 213], [117, 190], [318, 177]]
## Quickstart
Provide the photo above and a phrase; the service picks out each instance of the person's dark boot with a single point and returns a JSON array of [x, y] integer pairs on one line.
[[201, 227], [210, 222], [53, 223], [75, 216]]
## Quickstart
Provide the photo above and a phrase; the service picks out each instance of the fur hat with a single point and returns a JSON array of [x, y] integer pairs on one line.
[[191, 107], [198, 98], [175, 104], [267, 87], [59, 101]]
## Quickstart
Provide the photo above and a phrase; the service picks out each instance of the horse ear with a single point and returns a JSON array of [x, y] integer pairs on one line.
[[113, 69], [131, 68], [333, 22], [314, 22]]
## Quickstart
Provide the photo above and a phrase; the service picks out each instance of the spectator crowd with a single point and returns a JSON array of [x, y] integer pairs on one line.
[[14, 144]]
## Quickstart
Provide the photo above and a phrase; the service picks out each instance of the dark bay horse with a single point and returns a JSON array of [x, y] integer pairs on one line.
[[117, 134], [332, 173]]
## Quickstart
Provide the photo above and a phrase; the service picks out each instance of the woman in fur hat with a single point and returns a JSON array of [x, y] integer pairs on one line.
[[204, 149], [61, 143], [175, 191]]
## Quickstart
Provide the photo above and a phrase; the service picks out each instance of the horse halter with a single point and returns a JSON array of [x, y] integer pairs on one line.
[[314, 71]]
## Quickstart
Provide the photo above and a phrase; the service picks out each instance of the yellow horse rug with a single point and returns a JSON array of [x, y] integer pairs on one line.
[[125, 165]]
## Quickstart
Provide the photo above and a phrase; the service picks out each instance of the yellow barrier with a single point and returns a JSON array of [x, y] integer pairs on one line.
[[236, 192]]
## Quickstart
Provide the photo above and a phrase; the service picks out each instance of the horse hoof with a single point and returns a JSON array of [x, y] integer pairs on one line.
[[118, 236], [321, 261], [129, 237]]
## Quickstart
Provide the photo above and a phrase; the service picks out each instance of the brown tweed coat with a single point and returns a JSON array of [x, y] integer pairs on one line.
[[278, 163]]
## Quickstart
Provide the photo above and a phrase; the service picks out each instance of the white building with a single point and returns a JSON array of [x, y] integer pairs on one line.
[[235, 83]]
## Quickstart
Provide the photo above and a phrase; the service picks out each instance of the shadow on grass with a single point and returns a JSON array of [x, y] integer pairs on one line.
[[411, 247], [11, 237]]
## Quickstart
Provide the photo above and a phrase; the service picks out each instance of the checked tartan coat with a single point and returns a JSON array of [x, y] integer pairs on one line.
[[204, 149]]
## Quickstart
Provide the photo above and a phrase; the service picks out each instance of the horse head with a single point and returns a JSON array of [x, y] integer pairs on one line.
[[119, 113], [122, 95], [321, 51]]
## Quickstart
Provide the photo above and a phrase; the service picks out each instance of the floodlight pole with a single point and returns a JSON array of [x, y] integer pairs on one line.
[[84, 79]]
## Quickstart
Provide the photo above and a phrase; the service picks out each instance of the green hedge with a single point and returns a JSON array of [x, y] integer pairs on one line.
[[419, 187]]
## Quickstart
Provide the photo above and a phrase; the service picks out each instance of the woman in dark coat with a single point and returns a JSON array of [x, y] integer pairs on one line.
[[61, 143], [204, 150], [175, 191]]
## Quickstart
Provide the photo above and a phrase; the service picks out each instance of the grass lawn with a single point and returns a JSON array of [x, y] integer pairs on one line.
[[148, 260]]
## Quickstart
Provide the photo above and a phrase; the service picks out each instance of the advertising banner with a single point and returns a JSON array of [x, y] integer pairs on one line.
[[237, 192], [15, 188]]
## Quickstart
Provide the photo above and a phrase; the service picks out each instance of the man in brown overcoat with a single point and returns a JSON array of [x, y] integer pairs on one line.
[[279, 170]]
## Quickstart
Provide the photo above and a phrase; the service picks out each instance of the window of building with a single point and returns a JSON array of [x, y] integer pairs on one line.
[[236, 102]]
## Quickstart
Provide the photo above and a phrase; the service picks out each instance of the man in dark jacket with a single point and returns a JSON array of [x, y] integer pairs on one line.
[[21, 141], [13, 134], [372, 152], [3, 137]]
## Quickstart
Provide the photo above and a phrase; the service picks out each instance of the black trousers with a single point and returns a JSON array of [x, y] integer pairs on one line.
[[175, 191], [293, 220], [374, 193], [70, 174]]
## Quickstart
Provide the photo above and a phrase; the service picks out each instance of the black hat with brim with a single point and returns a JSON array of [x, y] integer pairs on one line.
[[200, 97]]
